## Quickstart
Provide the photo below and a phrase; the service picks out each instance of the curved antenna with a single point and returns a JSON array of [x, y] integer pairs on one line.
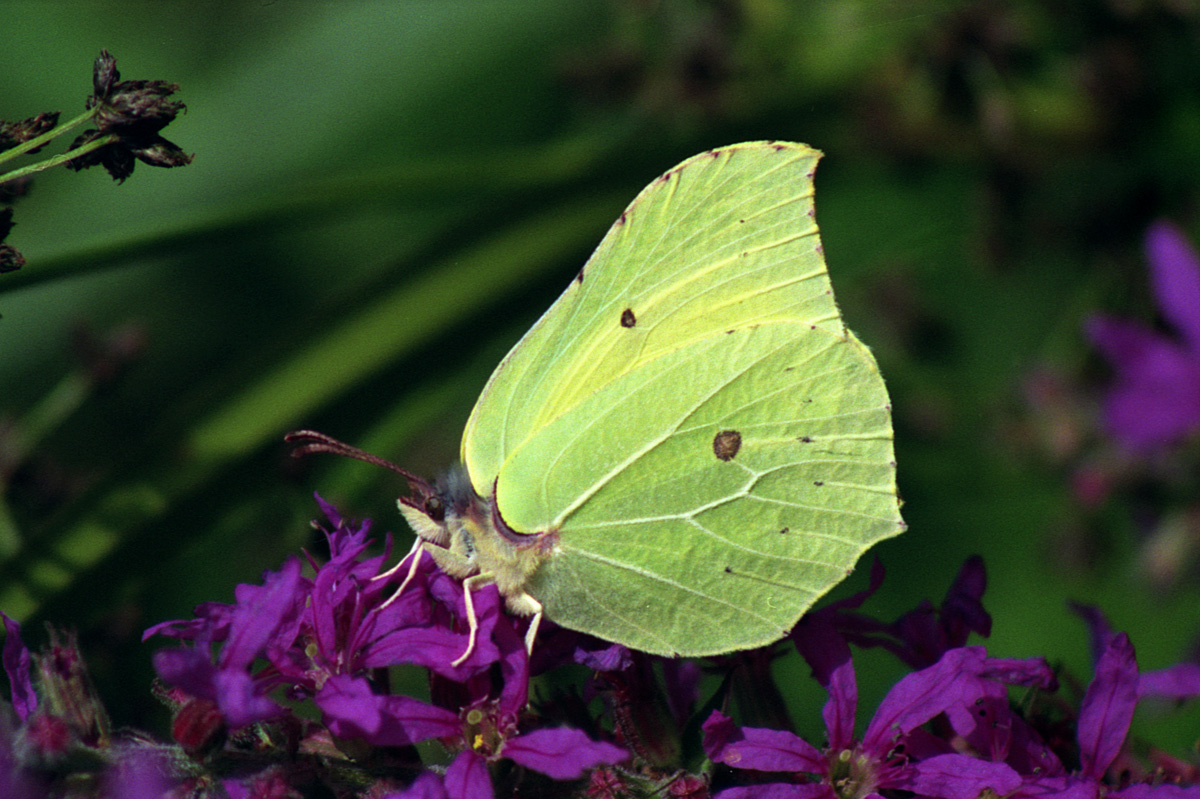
[[309, 442]]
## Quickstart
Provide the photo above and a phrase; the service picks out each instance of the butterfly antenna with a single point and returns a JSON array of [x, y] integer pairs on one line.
[[309, 442]]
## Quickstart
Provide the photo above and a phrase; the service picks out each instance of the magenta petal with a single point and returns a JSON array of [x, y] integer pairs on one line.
[[758, 749], [1107, 707], [211, 623], [257, 619], [985, 725], [1062, 788], [1156, 395], [682, 680], [1181, 681], [1032, 672], [514, 668], [920, 696], [352, 710], [189, 669], [828, 654], [762, 750], [427, 785], [235, 692], [955, 776], [839, 710], [562, 753], [614, 657], [435, 648], [1099, 629], [962, 609], [16, 664], [1175, 276], [1158, 408], [239, 699], [718, 730], [468, 776], [1143, 791], [1122, 341], [778, 790], [774, 750]]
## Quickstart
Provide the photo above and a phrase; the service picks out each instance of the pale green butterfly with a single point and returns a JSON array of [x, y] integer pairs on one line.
[[689, 448]]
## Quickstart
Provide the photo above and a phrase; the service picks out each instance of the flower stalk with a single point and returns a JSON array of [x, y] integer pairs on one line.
[[59, 160]]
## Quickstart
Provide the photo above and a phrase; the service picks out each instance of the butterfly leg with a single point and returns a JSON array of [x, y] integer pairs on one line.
[[524, 605], [416, 552], [531, 633], [469, 585]]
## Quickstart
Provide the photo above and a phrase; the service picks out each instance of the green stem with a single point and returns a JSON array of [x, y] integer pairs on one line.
[[70, 155], [46, 137]]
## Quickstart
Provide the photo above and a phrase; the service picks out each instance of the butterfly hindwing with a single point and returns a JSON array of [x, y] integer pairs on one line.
[[705, 500]]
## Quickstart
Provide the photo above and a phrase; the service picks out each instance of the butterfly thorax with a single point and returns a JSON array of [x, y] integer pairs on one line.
[[471, 540]]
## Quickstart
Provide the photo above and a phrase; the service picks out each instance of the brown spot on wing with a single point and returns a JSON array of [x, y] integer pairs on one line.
[[726, 444]]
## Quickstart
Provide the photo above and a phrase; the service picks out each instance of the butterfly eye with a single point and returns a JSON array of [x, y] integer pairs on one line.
[[435, 508]]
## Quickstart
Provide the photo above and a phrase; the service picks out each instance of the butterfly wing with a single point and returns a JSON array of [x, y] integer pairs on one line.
[[709, 447]]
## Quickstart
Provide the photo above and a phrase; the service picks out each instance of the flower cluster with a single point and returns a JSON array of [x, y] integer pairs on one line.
[[129, 116], [304, 687], [948, 730]]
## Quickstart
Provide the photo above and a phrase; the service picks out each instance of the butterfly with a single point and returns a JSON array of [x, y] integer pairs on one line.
[[689, 448]]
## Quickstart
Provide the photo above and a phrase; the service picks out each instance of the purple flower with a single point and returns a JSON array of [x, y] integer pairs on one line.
[[925, 633], [341, 622], [490, 726], [1102, 727], [16, 665], [257, 619], [427, 785], [881, 759], [1181, 681], [353, 710], [1155, 399], [331, 639]]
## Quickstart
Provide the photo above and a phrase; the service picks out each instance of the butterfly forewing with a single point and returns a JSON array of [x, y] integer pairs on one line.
[[724, 240]]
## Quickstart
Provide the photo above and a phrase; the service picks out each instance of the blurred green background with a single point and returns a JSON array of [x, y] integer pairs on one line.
[[385, 195]]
